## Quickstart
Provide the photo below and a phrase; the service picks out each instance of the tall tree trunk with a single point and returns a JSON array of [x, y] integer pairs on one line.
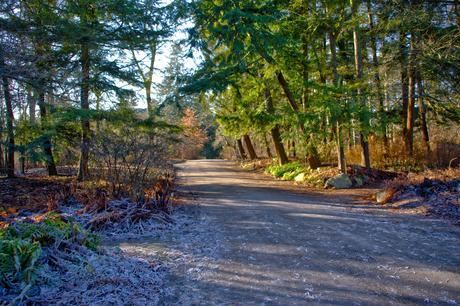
[[148, 97], [9, 120], [284, 85], [10, 129], [422, 112], [409, 140], [404, 82], [249, 147], [340, 149], [2, 154], [378, 83], [294, 153], [275, 132], [267, 147], [32, 104], [83, 170], [98, 95], [2, 129], [305, 74], [279, 148], [241, 148], [47, 146], [365, 157], [147, 77], [312, 158], [338, 134]]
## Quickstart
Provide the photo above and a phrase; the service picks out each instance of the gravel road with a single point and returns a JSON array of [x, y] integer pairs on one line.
[[273, 246]]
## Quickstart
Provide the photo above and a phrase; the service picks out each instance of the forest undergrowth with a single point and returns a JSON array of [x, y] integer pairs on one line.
[[51, 234]]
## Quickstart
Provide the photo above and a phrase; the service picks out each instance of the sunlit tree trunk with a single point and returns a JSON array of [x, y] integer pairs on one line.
[[338, 133], [249, 147], [404, 82], [275, 132], [147, 77], [366, 161], [409, 140], [422, 113], [312, 157], [241, 148], [267, 146], [378, 83]]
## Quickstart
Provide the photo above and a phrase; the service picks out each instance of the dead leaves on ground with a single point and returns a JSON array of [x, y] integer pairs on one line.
[[47, 194]]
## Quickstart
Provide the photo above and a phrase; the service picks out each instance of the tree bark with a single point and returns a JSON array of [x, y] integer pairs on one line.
[[32, 104], [2, 156], [365, 156], [267, 147], [9, 128], [47, 146], [9, 121], [422, 112], [409, 140], [294, 153], [148, 85], [249, 147], [83, 170], [284, 85], [404, 82], [378, 83], [340, 150], [147, 77], [305, 74], [312, 158], [241, 148], [275, 132]]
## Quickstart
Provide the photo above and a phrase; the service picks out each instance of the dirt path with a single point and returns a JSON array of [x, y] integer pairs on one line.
[[265, 245]]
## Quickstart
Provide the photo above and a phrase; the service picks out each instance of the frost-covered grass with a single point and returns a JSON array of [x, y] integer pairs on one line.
[[55, 258], [28, 247]]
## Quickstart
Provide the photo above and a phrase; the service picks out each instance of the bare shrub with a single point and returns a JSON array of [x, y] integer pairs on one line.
[[128, 160]]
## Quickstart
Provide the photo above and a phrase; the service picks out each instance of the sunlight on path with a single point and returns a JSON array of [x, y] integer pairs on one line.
[[253, 244]]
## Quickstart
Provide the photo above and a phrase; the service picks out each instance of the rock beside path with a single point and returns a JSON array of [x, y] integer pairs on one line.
[[341, 181]]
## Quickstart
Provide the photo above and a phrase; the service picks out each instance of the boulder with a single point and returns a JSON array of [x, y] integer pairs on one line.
[[341, 181], [300, 178], [359, 181], [384, 196]]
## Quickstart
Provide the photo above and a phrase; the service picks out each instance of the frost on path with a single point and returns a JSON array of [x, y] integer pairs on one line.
[[186, 250], [249, 243], [281, 248], [111, 278], [134, 266]]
